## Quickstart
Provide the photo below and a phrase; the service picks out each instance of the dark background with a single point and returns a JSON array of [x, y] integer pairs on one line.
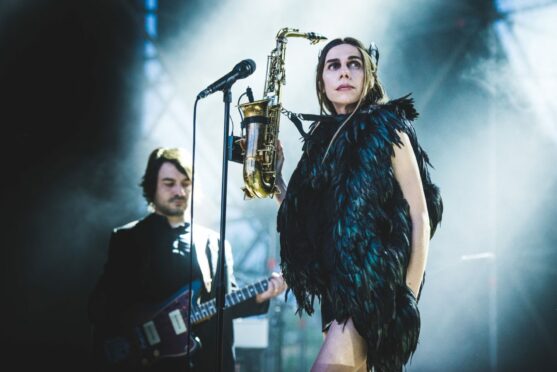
[[68, 70]]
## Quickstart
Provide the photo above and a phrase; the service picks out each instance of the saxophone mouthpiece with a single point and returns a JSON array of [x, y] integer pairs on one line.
[[315, 37]]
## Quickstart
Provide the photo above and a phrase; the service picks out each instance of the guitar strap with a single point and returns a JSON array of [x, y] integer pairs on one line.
[[200, 239], [215, 259], [210, 259], [204, 237]]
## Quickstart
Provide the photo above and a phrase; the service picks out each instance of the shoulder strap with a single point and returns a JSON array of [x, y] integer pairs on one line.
[[296, 119]]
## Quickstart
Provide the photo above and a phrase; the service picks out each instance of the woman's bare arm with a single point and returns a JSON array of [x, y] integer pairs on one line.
[[407, 174]]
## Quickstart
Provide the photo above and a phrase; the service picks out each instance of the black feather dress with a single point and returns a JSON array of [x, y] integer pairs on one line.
[[345, 229]]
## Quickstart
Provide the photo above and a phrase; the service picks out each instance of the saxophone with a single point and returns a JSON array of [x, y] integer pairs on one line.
[[262, 118]]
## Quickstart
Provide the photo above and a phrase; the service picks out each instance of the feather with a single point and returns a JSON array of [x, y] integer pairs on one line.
[[345, 229]]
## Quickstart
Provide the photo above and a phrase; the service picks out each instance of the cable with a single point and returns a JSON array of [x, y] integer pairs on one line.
[[238, 105], [249, 93], [190, 302]]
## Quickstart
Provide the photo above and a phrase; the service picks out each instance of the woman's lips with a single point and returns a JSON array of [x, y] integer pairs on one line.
[[345, 87]]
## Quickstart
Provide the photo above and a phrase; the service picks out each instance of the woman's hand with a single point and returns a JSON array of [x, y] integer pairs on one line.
[[280, 159], [281, 185]]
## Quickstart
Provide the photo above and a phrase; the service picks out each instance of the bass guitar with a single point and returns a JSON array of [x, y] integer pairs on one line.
[[162, 331]]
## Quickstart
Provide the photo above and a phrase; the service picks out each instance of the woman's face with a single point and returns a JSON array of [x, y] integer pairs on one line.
[[343, 77]]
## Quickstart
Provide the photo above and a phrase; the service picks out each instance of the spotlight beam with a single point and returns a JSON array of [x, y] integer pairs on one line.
[[545, 109], [446, 68], [505, 14]]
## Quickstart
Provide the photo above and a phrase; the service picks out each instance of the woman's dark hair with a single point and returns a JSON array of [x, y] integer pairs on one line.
[[158, 157], [372, 93]]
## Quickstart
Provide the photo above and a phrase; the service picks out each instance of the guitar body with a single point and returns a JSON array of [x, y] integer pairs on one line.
[[149, 334]]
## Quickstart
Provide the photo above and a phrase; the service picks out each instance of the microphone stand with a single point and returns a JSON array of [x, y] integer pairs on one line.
[[221, 274]]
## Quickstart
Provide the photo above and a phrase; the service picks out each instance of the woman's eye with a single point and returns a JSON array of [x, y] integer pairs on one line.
[[333, 66], [354, 64]]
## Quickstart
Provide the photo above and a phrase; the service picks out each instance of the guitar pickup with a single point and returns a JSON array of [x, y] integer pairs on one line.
[[177, 321], [151, 333]]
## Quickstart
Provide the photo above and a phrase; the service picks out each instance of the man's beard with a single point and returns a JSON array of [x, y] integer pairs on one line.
[[168, 210]]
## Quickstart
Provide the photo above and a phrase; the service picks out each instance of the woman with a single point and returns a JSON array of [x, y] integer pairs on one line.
[[357, 216]]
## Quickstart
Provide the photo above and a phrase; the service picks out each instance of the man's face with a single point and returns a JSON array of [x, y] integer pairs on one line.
[[173, 191]]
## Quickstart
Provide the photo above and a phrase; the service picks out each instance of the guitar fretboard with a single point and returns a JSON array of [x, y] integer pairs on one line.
[[209, 308]]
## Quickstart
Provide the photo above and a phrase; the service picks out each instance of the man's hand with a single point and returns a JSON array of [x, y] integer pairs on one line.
[[277, 285]]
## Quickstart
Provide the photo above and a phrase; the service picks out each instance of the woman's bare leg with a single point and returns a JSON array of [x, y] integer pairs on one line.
[[343, 350]]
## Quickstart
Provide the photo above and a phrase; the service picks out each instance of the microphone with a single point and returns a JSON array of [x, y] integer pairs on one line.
[[242, 70]]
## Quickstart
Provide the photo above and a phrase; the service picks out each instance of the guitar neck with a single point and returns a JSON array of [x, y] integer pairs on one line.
[[207, 309]]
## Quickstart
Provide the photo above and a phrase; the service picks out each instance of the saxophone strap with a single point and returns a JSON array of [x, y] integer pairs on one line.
[[296, 119]]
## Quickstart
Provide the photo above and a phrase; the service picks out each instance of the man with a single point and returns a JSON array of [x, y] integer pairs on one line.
[[149, 261]]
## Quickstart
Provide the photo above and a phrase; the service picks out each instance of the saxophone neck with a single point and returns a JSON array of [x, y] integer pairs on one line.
[[287, 32], [275, 62]]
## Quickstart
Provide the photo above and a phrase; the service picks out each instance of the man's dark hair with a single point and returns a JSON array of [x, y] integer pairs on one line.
[[158, 157]]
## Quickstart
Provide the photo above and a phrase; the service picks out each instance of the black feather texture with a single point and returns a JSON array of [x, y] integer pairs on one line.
[[345, 229]]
